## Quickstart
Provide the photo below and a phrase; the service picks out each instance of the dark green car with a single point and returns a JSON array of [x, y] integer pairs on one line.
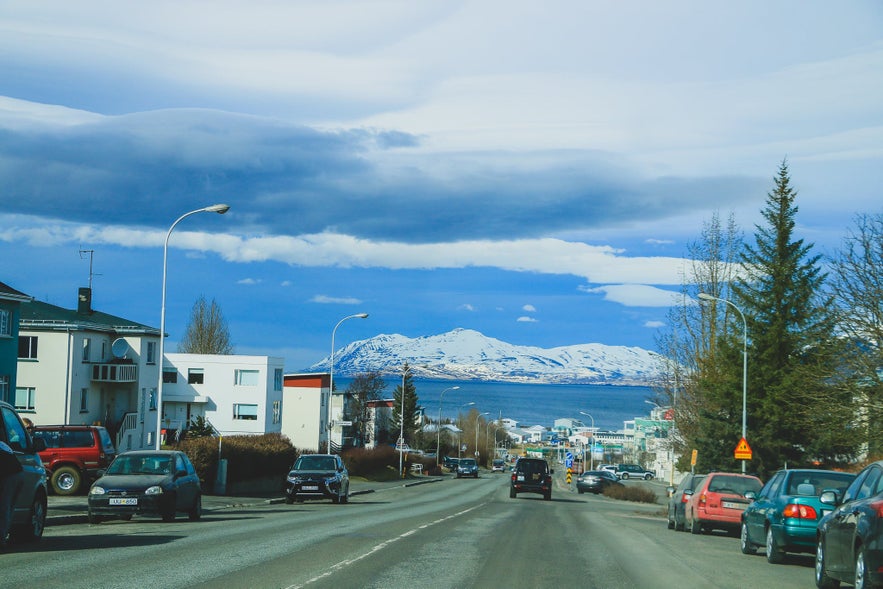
[[782, 517]]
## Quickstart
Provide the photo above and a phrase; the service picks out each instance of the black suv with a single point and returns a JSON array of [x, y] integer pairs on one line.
[[677, 501], [531, 475], [29, 510], [318, 476], [629, 471]]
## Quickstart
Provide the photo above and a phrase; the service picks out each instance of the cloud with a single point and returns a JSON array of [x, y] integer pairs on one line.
[[326, 300], [466, 307], [526, 319], [635, 295], [248, 281], [529, 308], [654, 324]]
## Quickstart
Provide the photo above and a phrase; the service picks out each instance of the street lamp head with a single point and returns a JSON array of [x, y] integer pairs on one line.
[[218, 208], [706, 297], [362, 315], [455, 388]]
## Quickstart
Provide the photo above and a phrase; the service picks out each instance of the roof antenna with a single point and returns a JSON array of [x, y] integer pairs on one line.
[[91, 274]]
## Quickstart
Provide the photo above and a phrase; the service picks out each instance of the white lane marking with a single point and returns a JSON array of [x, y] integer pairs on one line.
[[345, 563]]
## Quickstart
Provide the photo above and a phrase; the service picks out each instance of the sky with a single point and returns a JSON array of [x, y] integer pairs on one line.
[[533, 171]]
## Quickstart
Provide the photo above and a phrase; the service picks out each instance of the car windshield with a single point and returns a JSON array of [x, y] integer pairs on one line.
[[738, 485], [467, 462], [814, 483], [315, 463], [150, 464]]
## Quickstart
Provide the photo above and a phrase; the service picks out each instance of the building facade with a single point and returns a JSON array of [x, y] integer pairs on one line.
[[10, 310], [306, 411]]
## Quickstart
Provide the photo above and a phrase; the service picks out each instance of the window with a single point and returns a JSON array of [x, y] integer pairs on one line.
[[195, 376], [277, 380], [242, 411], [151, 399], [27, 347], [24, 398], [151, 352], [5, 323], [169, 375], [4, 387], [103, 351], [277, 411], [87, 349], [247, 378], [84, 400]]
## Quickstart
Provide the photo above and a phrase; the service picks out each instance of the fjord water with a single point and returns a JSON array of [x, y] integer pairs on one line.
[[529, 404]]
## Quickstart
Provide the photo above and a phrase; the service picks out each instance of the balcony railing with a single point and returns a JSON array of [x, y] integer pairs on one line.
[[114, 373]]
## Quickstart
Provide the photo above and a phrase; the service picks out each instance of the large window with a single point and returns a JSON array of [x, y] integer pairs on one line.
[[87, 349], [247, 378], [24, 398], [277, 411], [151, 352], [195, 376], [84, 400], [170, 375], [4, 387], [27, 347], [243, 411], [277, 380], [5, 323]]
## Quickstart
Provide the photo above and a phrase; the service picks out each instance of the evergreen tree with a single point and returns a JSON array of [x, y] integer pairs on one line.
[[361, 391], [410, 406], [207, 332], [792, 359]]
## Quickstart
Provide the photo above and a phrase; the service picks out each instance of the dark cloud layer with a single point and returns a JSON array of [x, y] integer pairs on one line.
[[143, 169]]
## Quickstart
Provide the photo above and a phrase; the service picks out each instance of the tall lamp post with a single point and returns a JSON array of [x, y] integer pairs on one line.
[[460, 422], [707, 297], [331, 372], [592, 451], [438, 423], [220, 209], [477, 418]]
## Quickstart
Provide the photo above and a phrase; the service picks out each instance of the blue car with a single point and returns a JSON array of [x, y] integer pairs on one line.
[[783, 516]]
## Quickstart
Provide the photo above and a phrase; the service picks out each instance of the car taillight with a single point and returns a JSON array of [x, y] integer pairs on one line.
[[799, 511], [513, 477], [685, 498], [877, 507], [703, 498]]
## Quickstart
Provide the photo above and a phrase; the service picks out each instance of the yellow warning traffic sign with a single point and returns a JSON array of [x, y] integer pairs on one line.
[[569, 474], [743, 450]]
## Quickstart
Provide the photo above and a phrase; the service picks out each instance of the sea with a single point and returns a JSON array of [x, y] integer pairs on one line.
[[528, 404]]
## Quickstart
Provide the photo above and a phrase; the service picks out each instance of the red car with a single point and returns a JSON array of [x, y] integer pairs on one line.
[[718, 502]]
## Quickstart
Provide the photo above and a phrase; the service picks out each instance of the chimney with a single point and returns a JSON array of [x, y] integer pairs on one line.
[[84, 301]]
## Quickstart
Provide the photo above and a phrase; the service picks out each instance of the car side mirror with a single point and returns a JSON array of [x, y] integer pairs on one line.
[[551, 471], [39, 444], [751, 495], [670, 490], [829, 498], [180, 473], [688, 492]]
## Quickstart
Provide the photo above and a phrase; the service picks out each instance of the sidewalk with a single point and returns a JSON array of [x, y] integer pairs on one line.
[[74, 510]]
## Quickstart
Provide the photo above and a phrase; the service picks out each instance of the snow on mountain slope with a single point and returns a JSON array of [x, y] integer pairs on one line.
[[465, 354]]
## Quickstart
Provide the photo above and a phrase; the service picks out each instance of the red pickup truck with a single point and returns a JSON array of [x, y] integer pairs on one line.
[[74, 454]]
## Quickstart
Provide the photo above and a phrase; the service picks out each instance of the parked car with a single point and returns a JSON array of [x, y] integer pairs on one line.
[[146, 482], [499, 465], [595, 481], [783, 516], [718, 502], [849, 537], [74, 454], [633, 471], [29, 510], [531, 475], [678, 499], [468, 467], [610, 467], [318, 476], [451, 463]]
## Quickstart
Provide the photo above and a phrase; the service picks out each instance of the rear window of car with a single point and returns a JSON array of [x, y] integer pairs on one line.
[[532, 466], [813, 484], [739, 485]]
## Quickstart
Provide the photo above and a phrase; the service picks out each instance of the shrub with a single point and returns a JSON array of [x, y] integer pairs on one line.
[[248, 457], [630, 493], [365, 462]]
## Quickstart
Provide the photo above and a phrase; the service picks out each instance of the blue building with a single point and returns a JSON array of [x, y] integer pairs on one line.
[[10, 302]]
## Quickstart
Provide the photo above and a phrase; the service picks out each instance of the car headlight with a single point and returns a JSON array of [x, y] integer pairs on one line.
[[154, 490], [97, 491]]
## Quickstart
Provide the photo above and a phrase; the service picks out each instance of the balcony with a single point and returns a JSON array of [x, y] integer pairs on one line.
[[114, 373]]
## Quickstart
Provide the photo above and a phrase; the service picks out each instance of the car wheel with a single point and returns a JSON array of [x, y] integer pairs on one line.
[[695, 526], [774, 554], [745, 542], [823, 581], [548, 496], [66, 480], [671, 522], [126, 517], [580, 491], [196, 513], [648, 476], [862, 574], [512, 494], [289, 500], [94, 519], [32, 530], [168, 513], [625, 476]]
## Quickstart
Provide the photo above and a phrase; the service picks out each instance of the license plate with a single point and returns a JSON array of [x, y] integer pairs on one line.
[[123, 501], [731, 505], [520, 477], [310, 488]]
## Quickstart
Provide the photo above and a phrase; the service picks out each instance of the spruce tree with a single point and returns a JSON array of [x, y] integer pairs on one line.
[[410, 406]]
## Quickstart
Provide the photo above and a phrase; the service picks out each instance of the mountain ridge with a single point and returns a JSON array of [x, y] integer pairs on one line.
[[466, 354]]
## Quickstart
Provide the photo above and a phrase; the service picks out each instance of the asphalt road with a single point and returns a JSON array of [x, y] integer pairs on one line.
[[452, 533]]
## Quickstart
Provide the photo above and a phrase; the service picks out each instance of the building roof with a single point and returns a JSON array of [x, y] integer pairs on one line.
[[10, 294], [37, 315]]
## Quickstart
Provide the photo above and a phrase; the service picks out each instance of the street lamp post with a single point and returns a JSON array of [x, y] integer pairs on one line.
[[460, 423], [477, 421], [438, 424], [592, 451], [217, 208], [707, 297], [331, 372]]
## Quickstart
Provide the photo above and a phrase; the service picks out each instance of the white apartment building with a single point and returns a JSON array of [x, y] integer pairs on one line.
[[305, 411], [237, 394]]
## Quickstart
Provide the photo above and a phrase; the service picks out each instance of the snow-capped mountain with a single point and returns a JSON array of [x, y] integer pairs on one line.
[[465, 354]]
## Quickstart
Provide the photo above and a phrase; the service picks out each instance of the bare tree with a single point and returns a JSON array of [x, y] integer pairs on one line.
[[207, 332]]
